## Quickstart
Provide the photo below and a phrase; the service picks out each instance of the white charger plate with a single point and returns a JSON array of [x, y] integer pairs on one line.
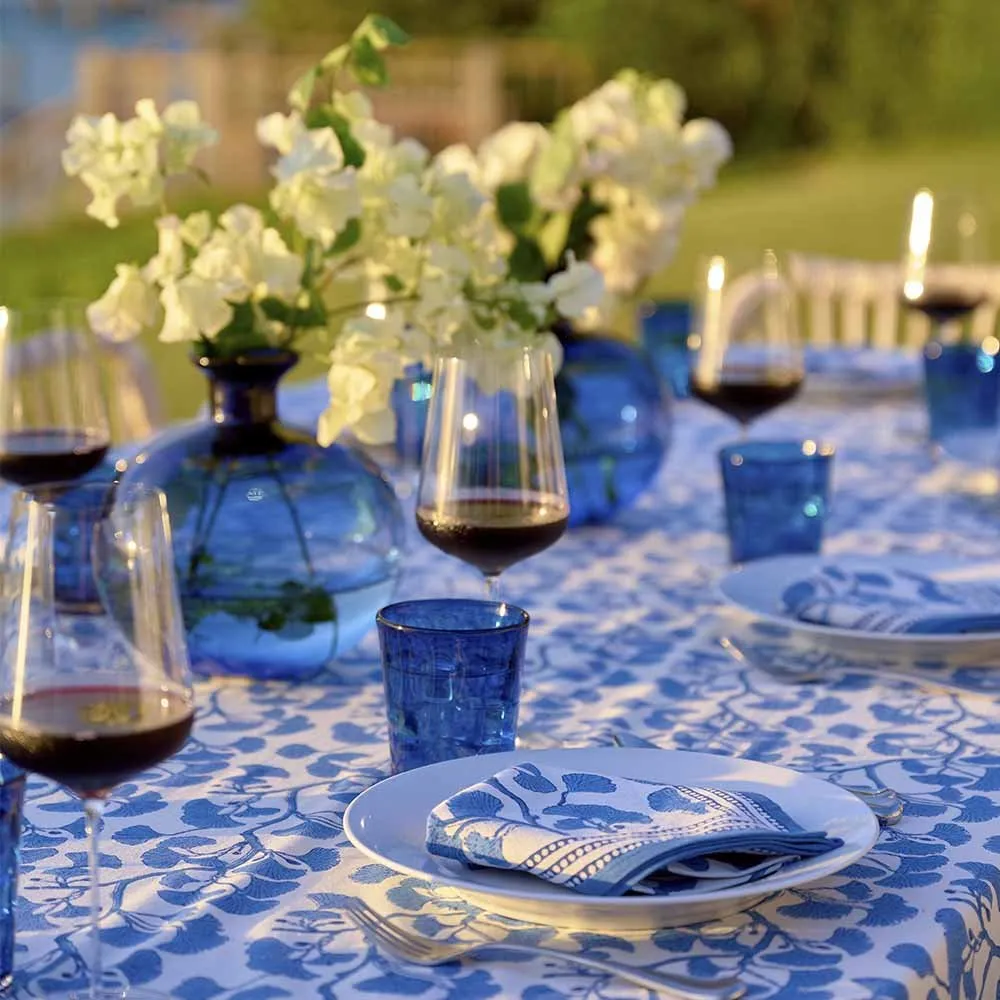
[[388, 821], [758, 587]]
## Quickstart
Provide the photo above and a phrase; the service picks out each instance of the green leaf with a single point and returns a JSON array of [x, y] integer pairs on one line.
[[514, 205], [296, 317], [326, 117], [578, 238], [552, 238], [383, 31], [348, 237], [302, 90], [366, 63], [527, 262], [522, 315], [393, 284]]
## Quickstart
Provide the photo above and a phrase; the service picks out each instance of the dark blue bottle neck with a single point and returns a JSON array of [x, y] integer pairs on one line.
[[243, 391], [240, 403]]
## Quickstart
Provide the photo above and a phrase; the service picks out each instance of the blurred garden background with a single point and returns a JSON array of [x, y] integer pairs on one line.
[[839, 109]]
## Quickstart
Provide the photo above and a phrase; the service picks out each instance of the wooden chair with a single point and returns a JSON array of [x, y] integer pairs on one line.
[[135, 408], [855, 303]]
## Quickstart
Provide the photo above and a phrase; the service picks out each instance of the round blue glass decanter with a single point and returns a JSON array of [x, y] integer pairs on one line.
[[284, 549]]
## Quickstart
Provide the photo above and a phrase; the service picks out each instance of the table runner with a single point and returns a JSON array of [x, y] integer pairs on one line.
[[224, 870]]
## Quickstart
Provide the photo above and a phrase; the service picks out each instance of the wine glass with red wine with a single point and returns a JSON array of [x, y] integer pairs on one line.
[[53, 419], [748, 359], [96, 695], [492, 482], [945, 240]]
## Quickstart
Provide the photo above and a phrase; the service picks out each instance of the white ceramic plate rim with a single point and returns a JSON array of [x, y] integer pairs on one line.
[[788, 569], [860, 827]]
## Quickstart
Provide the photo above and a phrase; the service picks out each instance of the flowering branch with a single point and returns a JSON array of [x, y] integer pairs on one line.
[[350, 203]]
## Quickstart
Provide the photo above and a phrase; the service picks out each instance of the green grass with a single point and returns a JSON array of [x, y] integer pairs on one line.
[[852, 204]]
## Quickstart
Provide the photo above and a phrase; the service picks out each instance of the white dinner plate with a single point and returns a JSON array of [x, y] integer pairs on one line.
[[758, 587], [387, 822]]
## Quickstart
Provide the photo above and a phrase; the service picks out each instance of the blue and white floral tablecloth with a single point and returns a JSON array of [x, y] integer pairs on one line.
[[224, 870]]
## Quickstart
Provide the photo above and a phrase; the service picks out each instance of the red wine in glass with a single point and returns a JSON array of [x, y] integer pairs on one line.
[[746, 393], [92, 692], [29, 458], [493, 534], [493, 482], [945, 305], [54, 424], [91, 739]]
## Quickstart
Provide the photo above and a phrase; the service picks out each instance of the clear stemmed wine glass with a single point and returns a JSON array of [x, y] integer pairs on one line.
[[94, 676], [748, 357], [53, 419], [944, 239], [493, 484]]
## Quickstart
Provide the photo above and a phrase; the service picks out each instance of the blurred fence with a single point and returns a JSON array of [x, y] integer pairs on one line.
[[440, 93]]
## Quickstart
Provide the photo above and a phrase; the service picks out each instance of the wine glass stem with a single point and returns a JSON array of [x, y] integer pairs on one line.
[[94, 810], [492, 586]]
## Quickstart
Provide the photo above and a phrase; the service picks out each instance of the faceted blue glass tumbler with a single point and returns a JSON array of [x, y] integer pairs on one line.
[[962, 388], [777, 494], [11, 804], [452, 672], [665, 327]]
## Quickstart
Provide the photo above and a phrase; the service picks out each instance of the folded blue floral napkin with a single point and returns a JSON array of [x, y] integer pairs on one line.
[[893, 601], [603, 835]]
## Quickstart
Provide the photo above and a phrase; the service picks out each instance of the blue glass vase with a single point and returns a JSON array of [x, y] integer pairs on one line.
[[615, 419], [284, 549]]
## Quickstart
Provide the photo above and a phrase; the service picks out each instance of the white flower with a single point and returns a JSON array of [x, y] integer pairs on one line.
[[89, 139], [127, 308], [320, 204], [115, 161], [608, 111], [276, 269], [708, 146], [280, 131], [579, 288], [457, 202], [194, 308], [555, 180], [246, 260], [196, 228], [354, 105], [364, 363], [314, 190], [457, 159], [666, 103], [383, 164], [184, 135], [170, 257], [509, 155], [408, 209], [311, 151]]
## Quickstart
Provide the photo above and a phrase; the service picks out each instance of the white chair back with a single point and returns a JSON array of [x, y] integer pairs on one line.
[[855, 303]]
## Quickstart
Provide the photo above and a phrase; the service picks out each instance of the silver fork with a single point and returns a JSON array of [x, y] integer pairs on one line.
[[408, 947]]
